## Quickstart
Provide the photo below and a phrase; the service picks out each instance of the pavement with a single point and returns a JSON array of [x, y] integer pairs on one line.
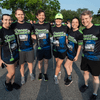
[[41, 90]]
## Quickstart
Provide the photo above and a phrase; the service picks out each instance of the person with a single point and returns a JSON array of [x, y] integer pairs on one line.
[[59, 33], [75, 39], [9, 52], [69, 23], [23, 31], [42, 34], [91, 53]]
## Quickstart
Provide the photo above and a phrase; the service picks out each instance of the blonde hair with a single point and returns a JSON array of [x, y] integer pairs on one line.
[[86, 12]]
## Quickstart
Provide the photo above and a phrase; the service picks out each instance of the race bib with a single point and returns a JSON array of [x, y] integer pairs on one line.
[[89, 47], [13, 46], [23, 37], [56, 42], [70, 47], [42, 36]]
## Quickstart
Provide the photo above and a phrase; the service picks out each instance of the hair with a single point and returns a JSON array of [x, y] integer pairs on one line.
[[78, 21], [20, 10], [4, 15], [86, 12], [39, 11]]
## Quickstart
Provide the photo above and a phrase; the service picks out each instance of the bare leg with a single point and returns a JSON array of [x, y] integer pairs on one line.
[[45, 65], [22, 69], [40, 65]]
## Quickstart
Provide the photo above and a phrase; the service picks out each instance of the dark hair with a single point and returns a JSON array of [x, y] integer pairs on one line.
[[4, 15], [78, 20], [20, 10], [39, 11]]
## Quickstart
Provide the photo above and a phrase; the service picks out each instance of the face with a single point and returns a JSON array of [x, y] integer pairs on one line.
[[75, 23], [20, 15], [58, 21], [41, 17], [86, 20], [6, 21]]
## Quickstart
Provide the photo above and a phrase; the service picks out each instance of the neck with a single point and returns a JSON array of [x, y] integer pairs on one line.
[[89, 26], [75, 29], [5, 27], [21, 22], [58, 25], [41, 22]]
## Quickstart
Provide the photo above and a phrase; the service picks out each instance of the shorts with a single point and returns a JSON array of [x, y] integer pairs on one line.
[[26, 56], [46, 54], [59, 54], [70, 56], [92, 66]]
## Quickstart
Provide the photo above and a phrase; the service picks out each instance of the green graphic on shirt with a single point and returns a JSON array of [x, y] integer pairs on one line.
[[22, 31], [38, 31], [72, 39], [9, 38], [58, 34], [90, 37]]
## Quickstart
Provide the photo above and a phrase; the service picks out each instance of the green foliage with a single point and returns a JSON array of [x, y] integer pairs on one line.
[[30, 7]]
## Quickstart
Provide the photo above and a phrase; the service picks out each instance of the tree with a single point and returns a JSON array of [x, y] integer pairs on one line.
[[30, 7]]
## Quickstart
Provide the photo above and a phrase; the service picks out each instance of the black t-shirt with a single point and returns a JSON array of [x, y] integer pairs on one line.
[[59, 38], [23, 33], [91, 43], [42, 32], [75, 38], [9, 50]]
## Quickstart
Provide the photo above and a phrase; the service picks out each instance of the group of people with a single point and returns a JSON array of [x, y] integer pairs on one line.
[[16, 40]]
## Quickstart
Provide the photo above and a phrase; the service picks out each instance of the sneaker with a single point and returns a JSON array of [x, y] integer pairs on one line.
[[22, 80], [93, 97], [59, 76], [56, 80], [40, 76], [68, 82], [83, 88], [45, 77], [32, 77], [8, 86], [16, 86]]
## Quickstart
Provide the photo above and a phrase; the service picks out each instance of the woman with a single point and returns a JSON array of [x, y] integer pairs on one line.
[[9, 52], [74, 46]]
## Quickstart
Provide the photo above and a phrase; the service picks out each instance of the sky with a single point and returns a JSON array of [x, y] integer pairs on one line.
[[93, 5]]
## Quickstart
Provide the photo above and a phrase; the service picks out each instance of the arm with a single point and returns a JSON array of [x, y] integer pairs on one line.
[[66, 39], [78, 52], [33, 37]]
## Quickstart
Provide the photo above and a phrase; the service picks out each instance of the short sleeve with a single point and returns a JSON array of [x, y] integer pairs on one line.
[[80, 38], [1, 37]]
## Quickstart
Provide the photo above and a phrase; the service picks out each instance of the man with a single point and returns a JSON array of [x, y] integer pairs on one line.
[[42, 33], [23, 32], [91, 53]]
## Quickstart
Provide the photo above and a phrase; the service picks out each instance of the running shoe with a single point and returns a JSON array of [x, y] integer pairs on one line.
[[83, 88], [22, 80], [56, 80], [45, 77], [32, 77], [93, 97], [40, 76], [68, 82], [8, 86], [16, 86]]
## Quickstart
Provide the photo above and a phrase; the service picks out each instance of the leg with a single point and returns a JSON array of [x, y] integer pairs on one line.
[[40, 65], [45, 65], [30, 66], [95, 84], [22, 69], [68, 66], [86, 77]]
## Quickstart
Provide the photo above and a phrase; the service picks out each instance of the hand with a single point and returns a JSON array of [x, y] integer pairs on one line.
[[75, 59]]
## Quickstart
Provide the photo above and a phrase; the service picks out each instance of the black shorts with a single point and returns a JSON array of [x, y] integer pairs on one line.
[[26, 56], [59, 54], [46, 54], [92, 66]]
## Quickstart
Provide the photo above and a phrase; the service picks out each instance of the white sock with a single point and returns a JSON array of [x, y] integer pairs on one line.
[[59, 71], [55, 76], [94, 94]]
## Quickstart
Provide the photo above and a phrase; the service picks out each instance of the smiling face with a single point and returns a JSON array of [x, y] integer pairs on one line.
[[75, 23], [58, 21], [86, 20], [41, 17], [20, 15], [6, 21]]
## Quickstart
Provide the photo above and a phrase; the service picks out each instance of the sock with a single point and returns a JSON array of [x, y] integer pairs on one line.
[[69, 77], [94, 94], [55, 76], [87, 85]]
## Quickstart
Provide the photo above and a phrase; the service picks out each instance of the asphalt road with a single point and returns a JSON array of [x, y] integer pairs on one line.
[[40, 90]]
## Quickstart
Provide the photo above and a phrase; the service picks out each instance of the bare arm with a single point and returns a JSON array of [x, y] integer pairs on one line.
[[78, 52], [33, 36]]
